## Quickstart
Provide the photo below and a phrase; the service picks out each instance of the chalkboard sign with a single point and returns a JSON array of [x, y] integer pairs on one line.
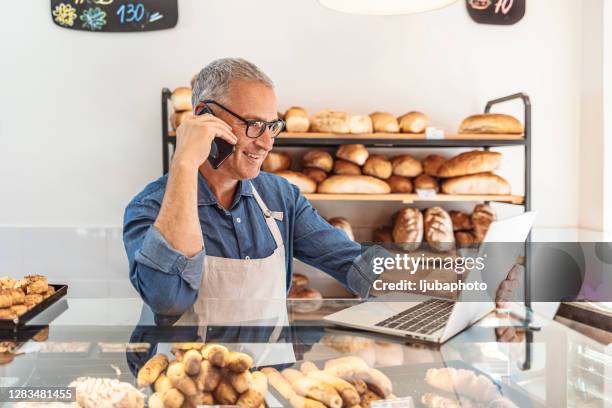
[[115, 15], [500, 12]]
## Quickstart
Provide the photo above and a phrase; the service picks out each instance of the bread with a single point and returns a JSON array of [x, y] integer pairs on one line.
[[360, 124], [378, 166], [276, 161], [354, 153], [491, 123], [304, 183], [298, 279], [353, 185], [314, 297], [318, 159], [464, 239], [330, 121], [179, 117], [181, 99], [425, 182], [342, 224], [482, 217], [406, 166], [481, 183], [408, 229], [317, 175], [476, 161], [296, 120], [432, 163], [383, 235], [346, 168], [461, 221], [400, 184], [413, 122], [384, 122], [439, 229]]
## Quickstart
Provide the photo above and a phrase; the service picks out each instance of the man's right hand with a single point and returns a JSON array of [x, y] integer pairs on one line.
[[195, 135]]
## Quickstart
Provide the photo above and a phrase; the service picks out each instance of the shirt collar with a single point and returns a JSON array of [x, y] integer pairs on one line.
[[206, 196]]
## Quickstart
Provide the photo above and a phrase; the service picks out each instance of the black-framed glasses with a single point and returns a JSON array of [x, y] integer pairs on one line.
[[254, 127]]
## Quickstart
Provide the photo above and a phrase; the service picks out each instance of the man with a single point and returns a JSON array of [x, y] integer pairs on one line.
[[233, 232]]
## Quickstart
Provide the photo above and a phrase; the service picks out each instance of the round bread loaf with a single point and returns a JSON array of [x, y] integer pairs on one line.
[[355, 153], [304, 183], [276, 161], [318, 159], [461, 221], [296, 120], [177, 118], [413, 122], [378, 166], [384, 122], [481, 183], [346, 168], [425, 182], [408, 229], [464, 239], [330, 121], [476, 161], [496, 123], [432, 163], [400, 185], [343, 224], [360, 124], [311, 299], [482, 217], [181, 99], [439, 229], [383, 235], [298, 279], [406, 166], [317, 175], [353, 185]]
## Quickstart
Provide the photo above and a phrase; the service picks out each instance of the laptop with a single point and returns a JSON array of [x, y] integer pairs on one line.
[[435, 320]]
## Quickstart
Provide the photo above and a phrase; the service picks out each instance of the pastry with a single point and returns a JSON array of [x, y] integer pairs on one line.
[[276, 161], [432, 163], [384, 122], [181, 99], [400, 184], [318, 159], [491, 123], [377, 166], [482, 217], [413, 122], [461, 221], [342, 224], [406, 166], [425, 182], [482, 183], [408, 229], [330, 121], [317, 175], [346, 168], [296, 120], [6, 282], [476, 161], [304, 183], [354, 153], [439, 229], [353, 185]]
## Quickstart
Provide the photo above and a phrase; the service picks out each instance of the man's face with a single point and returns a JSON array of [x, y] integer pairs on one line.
[[251, 100]]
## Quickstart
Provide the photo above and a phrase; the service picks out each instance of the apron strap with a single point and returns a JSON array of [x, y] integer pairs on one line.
[[270, 221]]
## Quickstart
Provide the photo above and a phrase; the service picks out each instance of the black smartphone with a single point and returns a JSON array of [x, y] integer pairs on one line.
[[220, 149]]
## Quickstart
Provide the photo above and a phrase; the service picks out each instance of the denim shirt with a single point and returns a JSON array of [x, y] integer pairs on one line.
[[168, 281]]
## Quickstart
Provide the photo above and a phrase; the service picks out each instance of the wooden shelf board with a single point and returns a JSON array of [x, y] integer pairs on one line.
[[411, 198]]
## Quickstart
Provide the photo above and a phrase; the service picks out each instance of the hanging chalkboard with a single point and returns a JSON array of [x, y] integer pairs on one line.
[[500, 12], [115, 15]]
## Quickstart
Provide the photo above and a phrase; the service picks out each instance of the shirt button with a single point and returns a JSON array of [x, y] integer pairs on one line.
[[238, 220], [247, 257]]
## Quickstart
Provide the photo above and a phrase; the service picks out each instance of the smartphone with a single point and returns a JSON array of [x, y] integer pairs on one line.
[[220, 149]]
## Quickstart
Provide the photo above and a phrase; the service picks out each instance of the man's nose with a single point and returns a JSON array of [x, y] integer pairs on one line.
[[265, 141]]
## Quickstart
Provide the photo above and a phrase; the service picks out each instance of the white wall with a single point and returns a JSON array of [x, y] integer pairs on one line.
[[80, 124]]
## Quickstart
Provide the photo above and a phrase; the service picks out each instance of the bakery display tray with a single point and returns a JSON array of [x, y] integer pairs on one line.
[[60, 292]]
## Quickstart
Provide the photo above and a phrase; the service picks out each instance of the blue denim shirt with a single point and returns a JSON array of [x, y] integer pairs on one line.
[[168, 281]]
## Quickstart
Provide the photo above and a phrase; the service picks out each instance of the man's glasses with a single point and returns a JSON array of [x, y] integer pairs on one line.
[[254, 128]]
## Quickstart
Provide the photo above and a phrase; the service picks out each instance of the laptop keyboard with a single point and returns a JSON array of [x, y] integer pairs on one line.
[[424, 318]]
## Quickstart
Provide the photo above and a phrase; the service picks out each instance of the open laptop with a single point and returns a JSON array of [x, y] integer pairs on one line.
[[437, 320]]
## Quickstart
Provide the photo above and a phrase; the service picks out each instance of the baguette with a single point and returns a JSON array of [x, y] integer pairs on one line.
[[278, 382], [303, 182], [318, 390], [491, 123], [151, 370], [476, 161], [347, 392], [308, 366], [297, 401], [482, 183], [353, 185]]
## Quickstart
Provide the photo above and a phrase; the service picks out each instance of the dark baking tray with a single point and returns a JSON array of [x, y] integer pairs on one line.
[[60, 292]]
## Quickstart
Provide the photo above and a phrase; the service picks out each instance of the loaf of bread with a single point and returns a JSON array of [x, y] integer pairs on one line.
[[330, 121], [353, 185], [481, 183], [491, 123], [425, 182], [318, 159], [439, 229], [461, 221], [317, 175], [383, 235], [298, 279], [360, 124], [342, 224], [346, 168], [355, 153], [464, 239], [181, 99], [179, 117], [276, 161], [377, 166], [432, 163], [296, 120], [400, 185], [304, 183], [406, 166], [476, 161], [408, 229], [482, 217], [384, 122], [413, 122]]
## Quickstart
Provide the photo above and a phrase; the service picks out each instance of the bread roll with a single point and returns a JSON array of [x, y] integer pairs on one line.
[[400, 184], [360, 124], [425, 182], [384, 122], [491, 123], [432, 163], [313, 299], [464, 239], [304, 292], [342, 224], [276, 161], [304, 183], [318, 159], [296, 120], [413, 122], [181, 99], [476, 161], [330, 121], [297, 279], [353, 185], [383, 235], [482, 217], [346, 168], [481, 183], [406, 166], [317, 175], [378, 166], [354, 153], [179, 117], [408, 229], [461, 221], [439, 229]]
